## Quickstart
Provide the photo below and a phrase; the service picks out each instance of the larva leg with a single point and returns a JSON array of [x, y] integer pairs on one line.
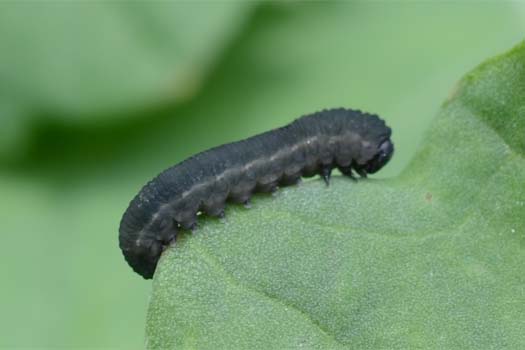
[[270, 187], [326, 172], [361, 172], [189, 223], [241, 194], [347, 171], [215, 208]]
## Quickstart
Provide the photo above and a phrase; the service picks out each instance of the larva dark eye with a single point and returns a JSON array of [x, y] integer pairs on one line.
[[384, 153]]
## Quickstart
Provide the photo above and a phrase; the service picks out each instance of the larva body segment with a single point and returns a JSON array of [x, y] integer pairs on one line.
[[314, 144]]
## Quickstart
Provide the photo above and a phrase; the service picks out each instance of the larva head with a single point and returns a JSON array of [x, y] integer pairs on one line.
[[373, 147], [384, 152]]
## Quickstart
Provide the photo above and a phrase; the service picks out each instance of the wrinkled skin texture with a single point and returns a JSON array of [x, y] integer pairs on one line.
[[349, 140]]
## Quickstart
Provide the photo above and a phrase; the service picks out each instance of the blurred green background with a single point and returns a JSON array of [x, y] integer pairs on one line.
[[97, 98]]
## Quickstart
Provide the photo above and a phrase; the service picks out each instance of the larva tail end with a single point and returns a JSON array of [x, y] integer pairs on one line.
[[142, 254]]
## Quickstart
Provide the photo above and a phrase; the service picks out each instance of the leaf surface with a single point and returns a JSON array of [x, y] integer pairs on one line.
[[434, 258]]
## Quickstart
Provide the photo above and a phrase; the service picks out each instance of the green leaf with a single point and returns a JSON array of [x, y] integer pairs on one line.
[[91, 61], [434, 258], [84, 58]]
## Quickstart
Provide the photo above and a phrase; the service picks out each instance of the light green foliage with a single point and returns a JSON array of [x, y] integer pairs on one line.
[[87, 62], [114, 55], [432, 259]]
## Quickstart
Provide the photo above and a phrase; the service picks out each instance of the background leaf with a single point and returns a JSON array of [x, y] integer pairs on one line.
[[89, 63], [432, 259], [69, 176]]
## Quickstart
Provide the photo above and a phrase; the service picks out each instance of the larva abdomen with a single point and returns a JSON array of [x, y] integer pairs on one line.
[[313, 144]]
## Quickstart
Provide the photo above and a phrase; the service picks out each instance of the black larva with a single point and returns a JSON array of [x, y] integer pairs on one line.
[[314, 144]]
